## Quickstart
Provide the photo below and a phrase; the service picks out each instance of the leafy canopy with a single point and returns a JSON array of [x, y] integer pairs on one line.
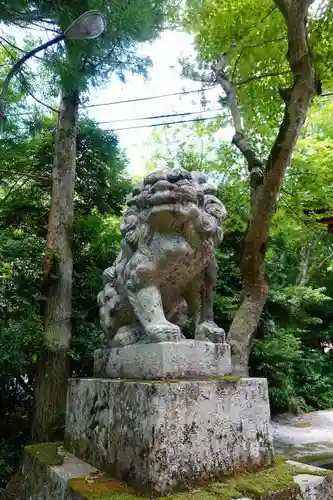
[[253, 35], [76, 64]]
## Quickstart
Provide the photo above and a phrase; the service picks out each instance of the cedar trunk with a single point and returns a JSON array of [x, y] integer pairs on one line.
[[52, 375], [297, 102]]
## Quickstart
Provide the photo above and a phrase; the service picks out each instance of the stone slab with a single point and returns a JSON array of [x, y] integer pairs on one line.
[[158, 437], [165, 360]]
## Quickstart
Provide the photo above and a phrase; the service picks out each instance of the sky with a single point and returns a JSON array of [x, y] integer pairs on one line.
[[164, 77]]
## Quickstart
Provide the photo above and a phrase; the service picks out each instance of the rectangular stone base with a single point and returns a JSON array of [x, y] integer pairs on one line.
[[160, 436], [165, 360]]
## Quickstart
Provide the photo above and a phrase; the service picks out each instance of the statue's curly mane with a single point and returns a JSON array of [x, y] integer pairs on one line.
[[169, 191]]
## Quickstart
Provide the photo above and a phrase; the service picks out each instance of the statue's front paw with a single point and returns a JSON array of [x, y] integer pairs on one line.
[[126, 335], [208, 330], [163, 332]]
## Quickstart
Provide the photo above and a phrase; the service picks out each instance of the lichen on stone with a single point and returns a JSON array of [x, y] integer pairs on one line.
[[46, 453]]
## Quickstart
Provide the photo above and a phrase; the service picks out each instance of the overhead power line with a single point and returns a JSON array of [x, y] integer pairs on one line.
[[168, 123], [125, 101], [149, 97], [153, 117]]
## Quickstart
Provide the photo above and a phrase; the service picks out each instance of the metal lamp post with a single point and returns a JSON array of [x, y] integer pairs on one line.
[[89, 25]]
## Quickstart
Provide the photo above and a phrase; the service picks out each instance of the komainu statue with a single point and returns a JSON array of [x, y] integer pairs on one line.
[[166, 264]]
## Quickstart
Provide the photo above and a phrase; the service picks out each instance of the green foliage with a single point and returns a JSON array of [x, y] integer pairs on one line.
[[300, 378], [10, 451], [252, 38], [256, 46]]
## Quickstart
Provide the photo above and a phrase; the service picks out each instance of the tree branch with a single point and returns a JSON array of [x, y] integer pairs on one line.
[[12, 190], [263, 75], [23, 79], [255, 166], [18, 48], [326, 259], [259, 44], [295, 113], [303, 275]]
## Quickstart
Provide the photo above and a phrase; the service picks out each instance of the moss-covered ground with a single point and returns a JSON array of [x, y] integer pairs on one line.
[[102, 489], [277, 478]]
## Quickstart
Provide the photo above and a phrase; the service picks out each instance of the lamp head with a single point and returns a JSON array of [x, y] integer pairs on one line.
[[89, 25]]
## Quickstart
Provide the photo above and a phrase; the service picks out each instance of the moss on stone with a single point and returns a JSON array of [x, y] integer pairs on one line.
[[223, 378], [316, 457], [303, 470], [268, 480], [302, 424], [102, 489], [229, 378], [46, 453]]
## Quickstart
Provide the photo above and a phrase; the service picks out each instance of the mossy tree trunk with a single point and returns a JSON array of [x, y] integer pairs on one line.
[[51, 384]]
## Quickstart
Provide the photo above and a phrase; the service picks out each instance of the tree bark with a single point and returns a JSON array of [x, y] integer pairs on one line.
[[298, 100], [52, 375]]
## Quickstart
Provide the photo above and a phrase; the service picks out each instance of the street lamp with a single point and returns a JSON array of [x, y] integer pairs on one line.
[[89, 25]]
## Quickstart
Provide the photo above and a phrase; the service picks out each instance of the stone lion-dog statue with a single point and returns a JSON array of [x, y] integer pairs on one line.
[[166, 265]]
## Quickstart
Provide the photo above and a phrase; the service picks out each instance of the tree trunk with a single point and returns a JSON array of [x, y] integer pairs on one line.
[[51, 384], [303, 274], [297, 102]]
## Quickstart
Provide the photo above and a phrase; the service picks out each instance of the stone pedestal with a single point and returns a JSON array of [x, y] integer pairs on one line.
[[159, 435], [166, 360]]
